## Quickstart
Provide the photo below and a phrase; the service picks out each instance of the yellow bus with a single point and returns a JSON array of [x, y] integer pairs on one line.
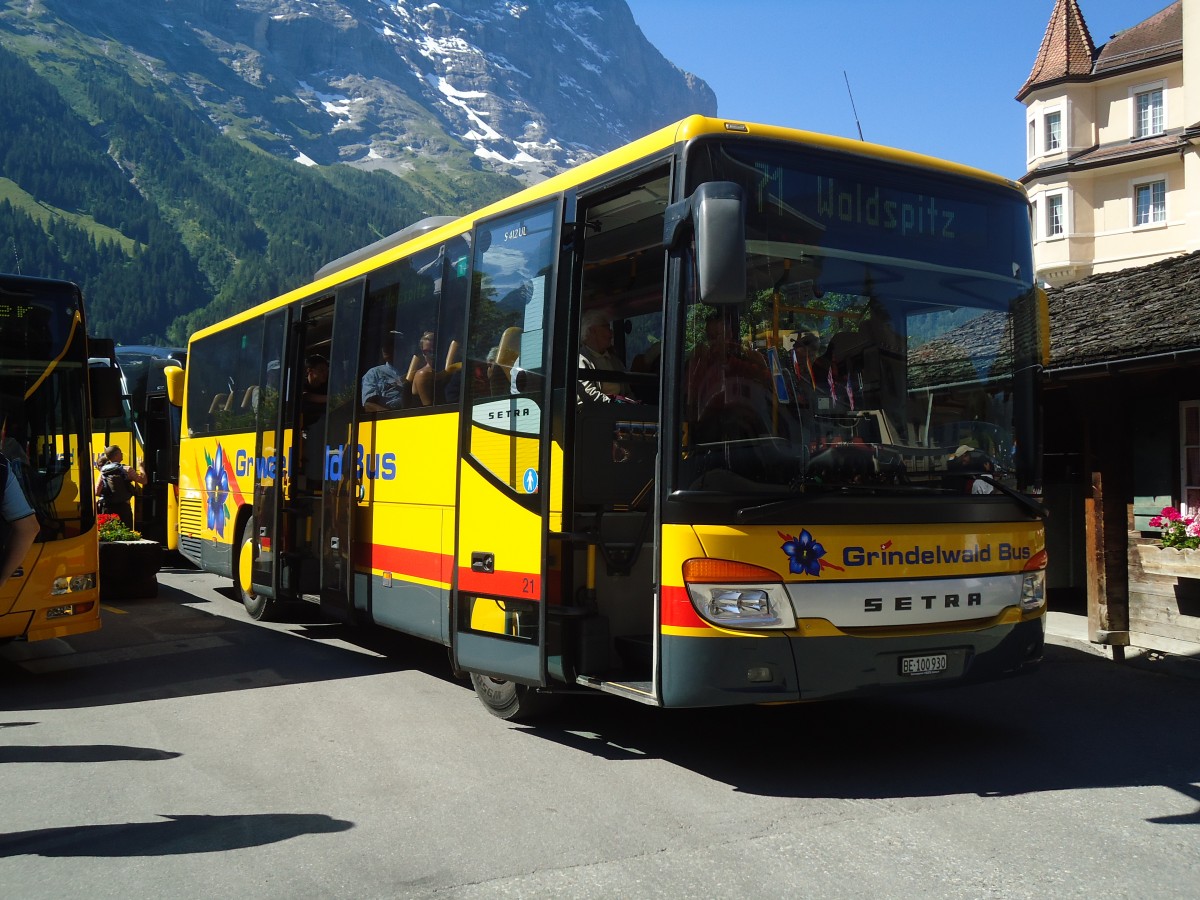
[[45, 430], [811, 472]]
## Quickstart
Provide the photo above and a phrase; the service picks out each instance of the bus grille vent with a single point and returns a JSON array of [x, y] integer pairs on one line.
[[191, 517]]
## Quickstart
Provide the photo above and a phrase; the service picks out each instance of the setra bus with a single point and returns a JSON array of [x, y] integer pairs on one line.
[[813, 471], [45, 430]]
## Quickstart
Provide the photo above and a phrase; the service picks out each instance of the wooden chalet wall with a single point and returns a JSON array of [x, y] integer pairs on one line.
[[1125, 351]]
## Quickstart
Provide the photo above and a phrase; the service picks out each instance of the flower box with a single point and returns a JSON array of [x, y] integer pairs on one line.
[[129, 569], [1159, 560]]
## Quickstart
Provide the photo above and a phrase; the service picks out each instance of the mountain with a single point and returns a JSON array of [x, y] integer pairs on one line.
[[182, 159]]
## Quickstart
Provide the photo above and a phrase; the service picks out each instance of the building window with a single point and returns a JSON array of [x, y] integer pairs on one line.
[[1055, 223], [1151, 202], [1189, 456], [1149, 109], [1053, 132], [1031, 143]]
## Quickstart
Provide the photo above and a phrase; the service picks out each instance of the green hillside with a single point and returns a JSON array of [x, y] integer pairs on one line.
[[109, 178]]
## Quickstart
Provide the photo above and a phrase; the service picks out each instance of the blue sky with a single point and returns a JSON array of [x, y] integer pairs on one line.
[[934, 76]]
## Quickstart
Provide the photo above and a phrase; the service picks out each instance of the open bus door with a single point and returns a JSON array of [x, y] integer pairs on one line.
[[259, 577], [160, 433], [508, 470], [342, 481]]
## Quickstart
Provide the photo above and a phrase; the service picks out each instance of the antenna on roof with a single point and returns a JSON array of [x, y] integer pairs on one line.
[[852, 106]]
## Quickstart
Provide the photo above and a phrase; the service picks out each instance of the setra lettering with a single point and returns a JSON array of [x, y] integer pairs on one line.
[[906, 604]]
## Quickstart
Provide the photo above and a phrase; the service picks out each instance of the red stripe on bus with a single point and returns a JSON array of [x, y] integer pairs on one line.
[[401, 561], [677, 609], [518, 585]]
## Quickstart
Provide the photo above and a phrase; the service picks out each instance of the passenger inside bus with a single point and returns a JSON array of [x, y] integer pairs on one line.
[[596, 352], [383, 385], [424, 374], [725, 383], [508, 351], [971, 469], [316, 382], [648, 361]]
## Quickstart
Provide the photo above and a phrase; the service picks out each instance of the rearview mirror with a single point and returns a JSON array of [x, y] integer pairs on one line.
[[174, 376], [717, 216]]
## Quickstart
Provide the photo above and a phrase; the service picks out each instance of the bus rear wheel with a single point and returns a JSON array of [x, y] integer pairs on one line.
[[509, 700], [257, 606]]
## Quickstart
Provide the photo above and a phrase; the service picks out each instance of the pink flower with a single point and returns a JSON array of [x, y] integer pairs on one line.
[[1178, 531]]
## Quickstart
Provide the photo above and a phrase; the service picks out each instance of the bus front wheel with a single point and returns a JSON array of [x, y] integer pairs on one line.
[[509, 700], [257, 606]]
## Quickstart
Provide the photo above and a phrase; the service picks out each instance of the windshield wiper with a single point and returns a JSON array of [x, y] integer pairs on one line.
[[1034, 507], [748, 514]]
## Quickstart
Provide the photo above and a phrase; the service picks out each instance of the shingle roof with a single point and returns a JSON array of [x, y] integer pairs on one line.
[[1168, 142], [1160, 35], [1067, 50], [1121, 316]]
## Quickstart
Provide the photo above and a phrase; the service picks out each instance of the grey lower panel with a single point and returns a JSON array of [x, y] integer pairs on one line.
[[217, 558], [415, 609], [502, 657]]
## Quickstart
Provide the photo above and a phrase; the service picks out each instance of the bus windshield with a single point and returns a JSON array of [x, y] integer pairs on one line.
[[42, 389], [888, 339]]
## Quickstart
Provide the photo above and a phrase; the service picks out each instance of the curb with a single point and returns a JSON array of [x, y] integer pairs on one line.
[[1073, 628]]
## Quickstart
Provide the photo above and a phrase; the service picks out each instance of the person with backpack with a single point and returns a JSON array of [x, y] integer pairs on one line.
[[115, 489]]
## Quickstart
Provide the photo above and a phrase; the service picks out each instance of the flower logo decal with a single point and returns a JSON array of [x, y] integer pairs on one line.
[[216, 484], [804, 553]]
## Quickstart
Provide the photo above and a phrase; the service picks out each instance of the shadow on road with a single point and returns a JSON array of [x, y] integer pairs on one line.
[[1080, 721], [177, 835], [82, 753], [183, 644]]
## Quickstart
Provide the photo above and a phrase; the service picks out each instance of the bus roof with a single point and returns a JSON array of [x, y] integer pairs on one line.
[[395, 246]]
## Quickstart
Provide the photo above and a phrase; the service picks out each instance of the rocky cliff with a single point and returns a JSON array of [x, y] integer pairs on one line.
[[526, 87]]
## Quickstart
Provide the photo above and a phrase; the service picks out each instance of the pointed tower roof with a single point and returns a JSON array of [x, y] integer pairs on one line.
[[1067, 50]]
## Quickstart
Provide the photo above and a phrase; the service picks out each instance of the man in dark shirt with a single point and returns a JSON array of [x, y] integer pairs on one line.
[[316, 385]]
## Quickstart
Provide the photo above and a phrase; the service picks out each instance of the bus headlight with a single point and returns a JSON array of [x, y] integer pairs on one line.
[[731, 601], [1033, 590], [73, 584]]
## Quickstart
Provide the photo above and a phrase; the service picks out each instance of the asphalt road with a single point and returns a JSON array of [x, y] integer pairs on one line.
[[185, 751]]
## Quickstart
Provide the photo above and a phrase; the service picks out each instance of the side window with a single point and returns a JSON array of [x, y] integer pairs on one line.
[[223, 373], [506, 359], [412, 332], [383, 388], [417, 325]]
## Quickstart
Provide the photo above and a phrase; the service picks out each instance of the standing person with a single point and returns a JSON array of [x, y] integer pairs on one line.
[[20, 522], [116, 485], [595, 352]]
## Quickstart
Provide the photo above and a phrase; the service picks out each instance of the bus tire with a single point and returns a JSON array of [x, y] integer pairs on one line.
[[508, 700], [257, 606]]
